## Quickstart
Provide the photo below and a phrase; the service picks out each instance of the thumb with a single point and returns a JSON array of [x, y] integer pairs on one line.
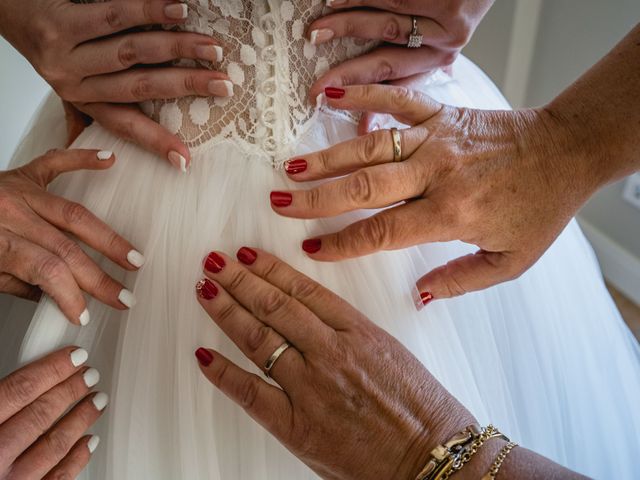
[[466, 274], [43, 170]]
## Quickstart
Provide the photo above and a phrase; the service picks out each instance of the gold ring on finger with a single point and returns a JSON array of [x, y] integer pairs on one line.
[[397, 145], [274, 358]]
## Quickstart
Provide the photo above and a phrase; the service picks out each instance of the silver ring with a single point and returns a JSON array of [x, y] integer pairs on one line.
[[415, 38], [274, 358]]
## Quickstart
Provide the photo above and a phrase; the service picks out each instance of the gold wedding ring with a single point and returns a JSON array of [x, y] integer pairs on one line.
[[397, 145], [274, 358]]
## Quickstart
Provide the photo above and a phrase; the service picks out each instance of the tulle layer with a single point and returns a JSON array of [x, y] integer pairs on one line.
[[546, 358]]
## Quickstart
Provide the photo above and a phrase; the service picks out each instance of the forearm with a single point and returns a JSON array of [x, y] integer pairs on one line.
[[599, 115]]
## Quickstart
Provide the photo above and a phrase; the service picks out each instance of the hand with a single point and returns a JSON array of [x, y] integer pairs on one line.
[[35, 251], [342, 378], [88, 54], [502, 180], [34, 441], [446, 26]]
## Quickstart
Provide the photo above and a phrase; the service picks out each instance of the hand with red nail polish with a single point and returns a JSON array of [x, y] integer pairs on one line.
[[333, 381]]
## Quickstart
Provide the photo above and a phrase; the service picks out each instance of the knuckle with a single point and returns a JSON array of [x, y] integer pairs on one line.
[[258, 337], [248, 392], [272, 269], [448, 58], [142, 88], [58, 443], [69, 251], [272, 302], [238, 279], [177, 49], [227, 312], [313, 198], [127, 53], [369, 147], [45, 33], [19, 389], [373, 232], [60, 475], [391, 30], [402, 97], [38, 414], [73, 213], [51, 268], [360, 188], [350, 29], [219, 377], [323, 163], [384, 71], [113, 17], [189, 83], [398, 4], [305, 288]]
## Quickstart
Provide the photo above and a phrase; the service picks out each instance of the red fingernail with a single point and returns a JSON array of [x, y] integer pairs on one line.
[[214, 263], [204, 356], [207, 289], [296, 166], [247, 255], [312, 246], [281, 199], [426, 298], [333, 92]]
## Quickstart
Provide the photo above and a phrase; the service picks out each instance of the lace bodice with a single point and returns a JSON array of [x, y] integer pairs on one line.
[[271, 65]]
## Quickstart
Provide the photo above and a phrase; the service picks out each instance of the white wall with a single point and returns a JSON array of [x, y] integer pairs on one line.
[[21, 91]]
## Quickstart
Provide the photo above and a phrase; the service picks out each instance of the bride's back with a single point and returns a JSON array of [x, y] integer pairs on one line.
[[272, 66]]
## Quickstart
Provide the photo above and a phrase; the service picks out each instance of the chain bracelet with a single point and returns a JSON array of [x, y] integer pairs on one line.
[[487, 433], [495, 467]]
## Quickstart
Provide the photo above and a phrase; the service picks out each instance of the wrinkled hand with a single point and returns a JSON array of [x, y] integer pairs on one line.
[[501, 180], [36, 251], [446, 26], [38, 439], [88, 54], [354, 403]]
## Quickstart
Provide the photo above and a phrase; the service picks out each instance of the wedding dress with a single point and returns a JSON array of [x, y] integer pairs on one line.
[[546, 358]]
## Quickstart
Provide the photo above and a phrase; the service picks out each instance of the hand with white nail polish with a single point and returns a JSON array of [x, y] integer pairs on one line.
[[46, 408], [89, 51], [37, 253], [445, 27]]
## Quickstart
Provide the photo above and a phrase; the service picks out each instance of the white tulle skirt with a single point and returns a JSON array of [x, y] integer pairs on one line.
[[546, 358]]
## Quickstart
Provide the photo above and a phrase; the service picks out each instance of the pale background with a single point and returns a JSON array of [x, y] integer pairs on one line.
[[532, 49]]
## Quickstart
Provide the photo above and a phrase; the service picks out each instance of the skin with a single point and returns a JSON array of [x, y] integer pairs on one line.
[[446, 26], [37, 438], [368, 391], [37, 252], [506, 181], [88, 54]]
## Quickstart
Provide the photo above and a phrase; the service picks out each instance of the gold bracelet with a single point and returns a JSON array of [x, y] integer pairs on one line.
[[450, 457], [495, 467]]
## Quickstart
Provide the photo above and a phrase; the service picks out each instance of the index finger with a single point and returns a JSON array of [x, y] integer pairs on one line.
[[95, 20], [25, 385], [412, 7]]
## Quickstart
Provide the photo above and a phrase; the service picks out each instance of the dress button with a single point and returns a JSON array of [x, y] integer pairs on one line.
[[268, 117], [268, 87], [269, 54], [269, 145], [268, 24]]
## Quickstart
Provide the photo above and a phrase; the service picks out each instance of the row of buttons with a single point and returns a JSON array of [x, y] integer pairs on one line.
[[269, 86]]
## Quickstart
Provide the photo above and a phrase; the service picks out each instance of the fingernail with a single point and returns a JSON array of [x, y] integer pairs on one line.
[[177, 11], [84, 318], [334, 3], [333, 92], [178, 161], [204, 356], [93, 443], [321, 35], [214, 263], [213, 53], [281, 199], [247, 255], [425, 298], [104, 155], [221, 88], [79, 356], [91, 377], [293, 167], [206, 289], [312, 246], [100, 401], [135, 258], [127, 298]]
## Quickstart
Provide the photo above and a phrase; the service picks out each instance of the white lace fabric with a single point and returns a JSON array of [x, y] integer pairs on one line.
[[272, 66]]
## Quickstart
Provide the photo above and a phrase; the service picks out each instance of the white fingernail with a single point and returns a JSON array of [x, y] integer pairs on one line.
[[91, 377], [321, 35], [178, 161], [221, 88], [127, 298], [100, 401], [84, 318], [177, 11], [212, 53], [93, 443], [135, 258], [104, 155], [219, 52], [79, 356]]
